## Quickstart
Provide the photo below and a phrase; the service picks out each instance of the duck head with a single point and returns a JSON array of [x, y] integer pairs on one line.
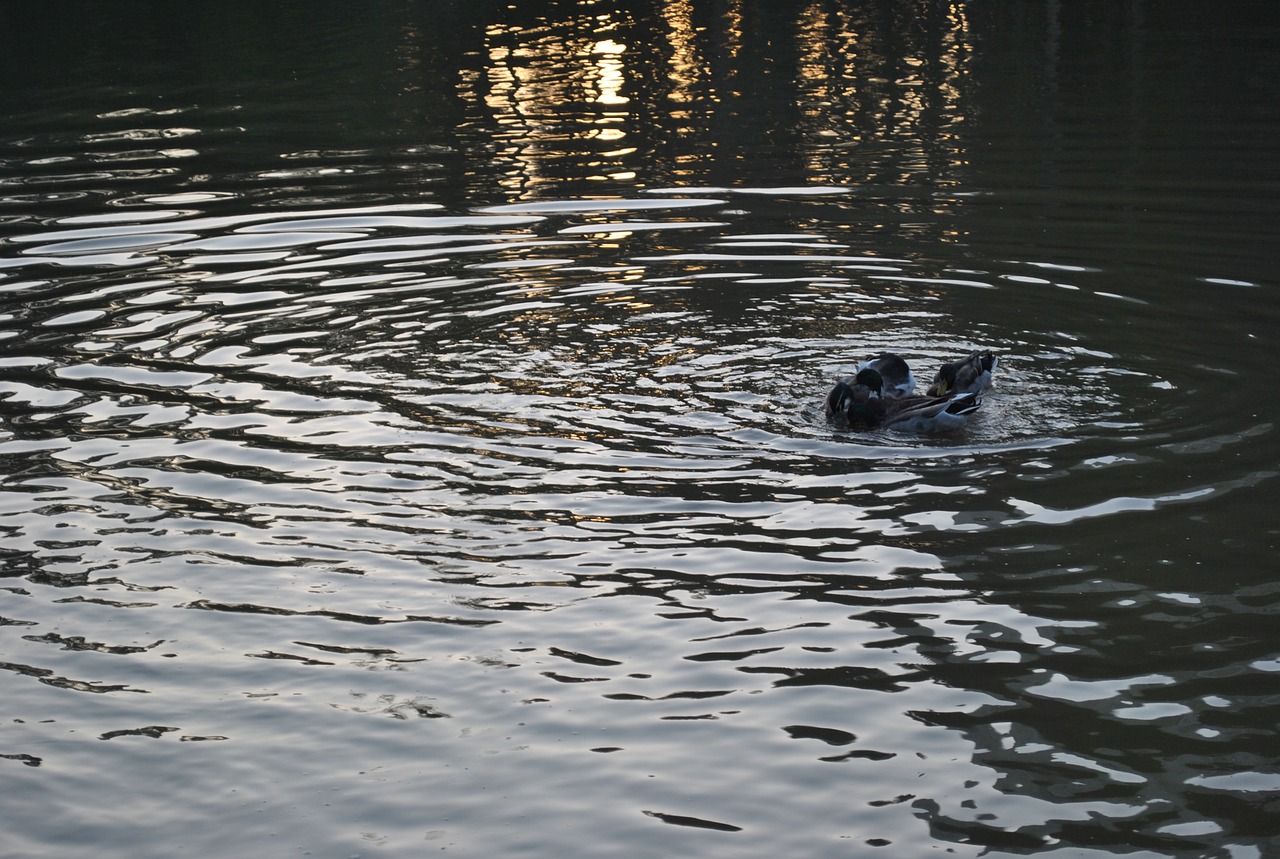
[[945, 381], [872, 379]]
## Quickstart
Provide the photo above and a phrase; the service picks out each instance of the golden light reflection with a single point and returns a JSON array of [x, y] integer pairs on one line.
[[861, 80], [685, 65], [555, 92], [680, 92], [609, 78]]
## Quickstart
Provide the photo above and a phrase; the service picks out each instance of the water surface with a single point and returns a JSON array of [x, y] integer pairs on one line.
[[412, 432]]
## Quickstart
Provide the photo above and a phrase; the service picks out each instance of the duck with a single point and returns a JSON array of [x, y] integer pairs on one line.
[[969, 375], [894, 372], [850, 398], [858, 401]]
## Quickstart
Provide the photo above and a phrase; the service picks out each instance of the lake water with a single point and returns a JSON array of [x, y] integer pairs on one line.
[[411, 430]]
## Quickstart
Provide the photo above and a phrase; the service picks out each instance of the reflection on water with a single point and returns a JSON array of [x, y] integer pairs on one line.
[[594, 94], [456, 474]]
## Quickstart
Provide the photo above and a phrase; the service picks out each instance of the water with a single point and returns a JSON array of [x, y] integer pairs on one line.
[[412, 434]]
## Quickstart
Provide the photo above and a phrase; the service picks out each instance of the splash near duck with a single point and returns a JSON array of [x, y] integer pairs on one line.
[[882, 394]]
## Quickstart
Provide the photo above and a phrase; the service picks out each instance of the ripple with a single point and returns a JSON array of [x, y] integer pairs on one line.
[[561, 481], [571, 207]]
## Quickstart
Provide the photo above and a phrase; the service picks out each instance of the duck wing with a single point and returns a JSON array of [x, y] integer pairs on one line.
[[934, 414]]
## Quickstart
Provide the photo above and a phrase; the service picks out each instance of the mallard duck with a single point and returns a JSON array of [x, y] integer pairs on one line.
[[851, 396], [895, 375], [971, 375], [858, 402]]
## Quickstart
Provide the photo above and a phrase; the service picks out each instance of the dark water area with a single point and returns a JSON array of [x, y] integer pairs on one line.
[[412, 433]]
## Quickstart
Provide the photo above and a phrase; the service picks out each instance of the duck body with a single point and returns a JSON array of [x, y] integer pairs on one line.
[[930, 414], [970, 375]]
